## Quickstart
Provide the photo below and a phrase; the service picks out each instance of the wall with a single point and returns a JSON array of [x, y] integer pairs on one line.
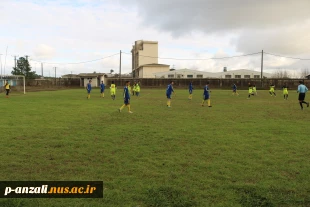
[[148, 71], [148, 50]]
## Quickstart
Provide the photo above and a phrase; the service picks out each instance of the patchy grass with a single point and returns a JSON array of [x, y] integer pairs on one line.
[[238, 153]]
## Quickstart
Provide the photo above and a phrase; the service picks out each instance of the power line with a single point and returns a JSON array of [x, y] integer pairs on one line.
[[296, 58], [76, 62], [198, 59]]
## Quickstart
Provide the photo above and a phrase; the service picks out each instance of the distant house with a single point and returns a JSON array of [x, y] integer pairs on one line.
[[95, 77], [308, 76]]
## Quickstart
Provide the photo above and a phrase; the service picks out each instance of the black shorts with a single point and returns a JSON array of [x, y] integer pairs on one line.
[[301, 96], [7, 91]]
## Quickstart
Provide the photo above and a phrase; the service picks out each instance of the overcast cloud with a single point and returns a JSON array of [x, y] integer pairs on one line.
[[63, 31]]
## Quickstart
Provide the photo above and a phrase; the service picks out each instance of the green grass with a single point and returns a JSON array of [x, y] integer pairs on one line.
[[238, 153]]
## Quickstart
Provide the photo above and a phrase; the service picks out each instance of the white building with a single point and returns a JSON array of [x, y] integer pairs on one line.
[[242, 73], [96, 78], [186, 73]]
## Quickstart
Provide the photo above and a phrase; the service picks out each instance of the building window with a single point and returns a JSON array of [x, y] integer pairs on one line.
[[199, 76], [170, 76], [256, 76], [227, 76], [247, 76], [237, 76], [190, 76]]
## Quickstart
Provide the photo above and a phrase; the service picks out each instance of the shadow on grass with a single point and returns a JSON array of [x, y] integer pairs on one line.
[[250, 197], [167, 196], [18, 203]]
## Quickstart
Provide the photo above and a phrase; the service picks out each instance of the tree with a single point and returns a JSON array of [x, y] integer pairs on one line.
[[111, 71], [281, 74], [304, 72], [24, 68]]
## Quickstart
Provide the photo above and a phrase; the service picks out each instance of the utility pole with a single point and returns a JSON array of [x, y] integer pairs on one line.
[[1, 65], [55, 77], [120, 64], [15, 60], [42, 70], [262, 67], [6, 53]]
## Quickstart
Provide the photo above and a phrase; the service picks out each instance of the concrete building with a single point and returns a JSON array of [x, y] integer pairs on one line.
[[148, 70], [186, 73], [145, 59], [95, 77]]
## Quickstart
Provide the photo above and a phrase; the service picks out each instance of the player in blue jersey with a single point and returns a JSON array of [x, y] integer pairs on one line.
[[126, 98], [206, 95], [190, 90], [302, 90], [102, 87], [88, 88], [234, 87], [169, 92]]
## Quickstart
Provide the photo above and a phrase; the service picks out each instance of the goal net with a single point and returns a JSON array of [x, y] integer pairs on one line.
[[17, 83]]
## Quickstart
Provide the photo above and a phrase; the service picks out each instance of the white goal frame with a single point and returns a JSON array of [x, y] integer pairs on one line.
[[3, 78]]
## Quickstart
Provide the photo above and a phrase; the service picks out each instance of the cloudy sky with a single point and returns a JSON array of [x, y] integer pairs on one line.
[[58, 32]]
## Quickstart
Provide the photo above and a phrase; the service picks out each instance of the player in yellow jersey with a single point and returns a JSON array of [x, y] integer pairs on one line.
[[285, 91], [137, 91], [134, 88], [7, 88], [271, 91], [254, 90], [113, 90], [250, 90]]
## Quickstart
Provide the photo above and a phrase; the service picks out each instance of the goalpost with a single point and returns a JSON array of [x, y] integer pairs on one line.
[[16, 82]]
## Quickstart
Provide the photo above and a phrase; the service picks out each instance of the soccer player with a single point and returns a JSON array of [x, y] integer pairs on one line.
[[254, 90], [126, 98], [271, 91], [137, 91], [113, 90], [88, 88], [234, 87], [250, 90], [102, 87], [206, 95], [302, 90], [169, 92], [190, 90], [285, 91], [7, 88]]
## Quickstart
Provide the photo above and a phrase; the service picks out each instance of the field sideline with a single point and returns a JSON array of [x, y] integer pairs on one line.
[[240, 152]]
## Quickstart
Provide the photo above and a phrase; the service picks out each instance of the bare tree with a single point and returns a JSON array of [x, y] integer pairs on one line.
[[281, 74], [304, 72]]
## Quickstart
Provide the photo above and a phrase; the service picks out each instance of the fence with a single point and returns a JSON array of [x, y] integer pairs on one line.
[[160, 83], [214, 83]]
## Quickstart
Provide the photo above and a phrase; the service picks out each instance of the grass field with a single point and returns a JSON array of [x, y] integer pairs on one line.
[[238, 153]]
